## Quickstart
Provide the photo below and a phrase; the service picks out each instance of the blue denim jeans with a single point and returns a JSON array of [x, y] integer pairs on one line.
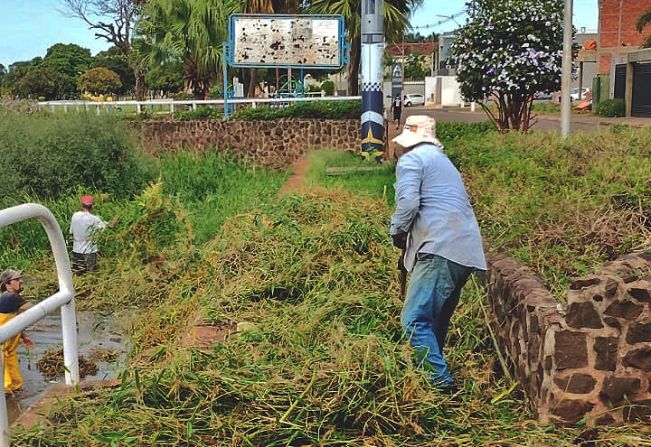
[[432, 296]]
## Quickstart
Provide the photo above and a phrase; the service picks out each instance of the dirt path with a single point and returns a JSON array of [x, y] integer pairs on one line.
[[296, 181]]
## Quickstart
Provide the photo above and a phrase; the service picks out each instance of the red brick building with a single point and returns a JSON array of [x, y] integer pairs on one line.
[[617, 33]]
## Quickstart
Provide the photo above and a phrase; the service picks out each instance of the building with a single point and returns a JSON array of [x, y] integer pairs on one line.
[[617, 33], [624, 68]]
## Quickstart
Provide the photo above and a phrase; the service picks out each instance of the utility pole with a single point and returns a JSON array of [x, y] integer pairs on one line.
[[566, 76], [372, 75]]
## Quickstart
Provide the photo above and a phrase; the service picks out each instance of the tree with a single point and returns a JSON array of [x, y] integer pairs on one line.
[[113, 21], [114, 60], [190, 32], [642, 22], [47, 83], [509, 50], [396, 13], [99, 81], [418, 37], [166, 78], [415, 66], [69, 59]]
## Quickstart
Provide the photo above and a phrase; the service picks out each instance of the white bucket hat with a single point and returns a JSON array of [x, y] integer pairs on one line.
[[418, 129]]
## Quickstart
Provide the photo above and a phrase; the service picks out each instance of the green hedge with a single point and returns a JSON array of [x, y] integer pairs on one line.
[[47, 156], [315, 109], [611, 108]]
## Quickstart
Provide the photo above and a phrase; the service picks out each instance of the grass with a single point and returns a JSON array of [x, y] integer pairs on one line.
[[321, 361], [375, 184]]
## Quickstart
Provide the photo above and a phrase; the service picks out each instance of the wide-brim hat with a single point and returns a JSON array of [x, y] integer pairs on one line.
[[418, 129], [7, 276]]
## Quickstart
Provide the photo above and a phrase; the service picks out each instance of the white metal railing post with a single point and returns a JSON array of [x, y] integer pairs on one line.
[[5, 439], [63, 299]]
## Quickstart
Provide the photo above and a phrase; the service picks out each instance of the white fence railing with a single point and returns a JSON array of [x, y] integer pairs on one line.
[[63, 299], [171, 106]]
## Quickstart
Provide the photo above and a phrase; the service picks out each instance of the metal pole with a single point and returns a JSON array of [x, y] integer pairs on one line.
[[566, 76], [5, 439], [225, 73], [372, 76]]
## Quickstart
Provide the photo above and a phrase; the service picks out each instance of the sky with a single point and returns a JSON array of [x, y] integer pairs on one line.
[[29, 27]]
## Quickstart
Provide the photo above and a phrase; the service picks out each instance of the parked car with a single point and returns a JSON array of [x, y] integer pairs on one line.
[[542, 95], [414, 99], [574, 93]]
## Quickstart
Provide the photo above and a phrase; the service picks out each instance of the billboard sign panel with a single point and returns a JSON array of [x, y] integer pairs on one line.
[[286, 41]]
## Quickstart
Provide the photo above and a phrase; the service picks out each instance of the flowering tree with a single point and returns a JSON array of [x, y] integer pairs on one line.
[[509, 50]]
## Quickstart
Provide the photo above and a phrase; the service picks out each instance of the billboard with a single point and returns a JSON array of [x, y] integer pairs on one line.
[[286, 41]]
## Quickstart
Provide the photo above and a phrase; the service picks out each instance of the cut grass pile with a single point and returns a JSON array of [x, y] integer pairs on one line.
[[320, 360]]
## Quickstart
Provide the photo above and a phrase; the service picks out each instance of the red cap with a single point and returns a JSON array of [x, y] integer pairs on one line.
[[87, 200]]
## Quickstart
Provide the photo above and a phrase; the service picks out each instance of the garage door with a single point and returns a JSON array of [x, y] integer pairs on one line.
[[641, 103], [620, 81]]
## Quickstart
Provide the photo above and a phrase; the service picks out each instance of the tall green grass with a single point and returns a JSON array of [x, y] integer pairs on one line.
[[320, 359]]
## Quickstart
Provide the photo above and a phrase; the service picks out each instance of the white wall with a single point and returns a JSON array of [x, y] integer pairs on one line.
[[442, 90]]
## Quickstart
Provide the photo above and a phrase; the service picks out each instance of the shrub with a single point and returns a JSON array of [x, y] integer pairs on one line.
[[316, 109], [47, 156], [328, 87], [611, 108]]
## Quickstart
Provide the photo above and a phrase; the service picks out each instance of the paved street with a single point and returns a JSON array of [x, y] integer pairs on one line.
[[587, 123]]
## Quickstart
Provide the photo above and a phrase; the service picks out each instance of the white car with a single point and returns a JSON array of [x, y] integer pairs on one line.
[[574, 93], [414, 99]]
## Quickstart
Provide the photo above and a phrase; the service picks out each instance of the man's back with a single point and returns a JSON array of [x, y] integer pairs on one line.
[[433, 206], [83, 226]]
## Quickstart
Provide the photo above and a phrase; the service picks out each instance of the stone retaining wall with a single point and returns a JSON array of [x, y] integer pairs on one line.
[[270, 143], [590, 359]]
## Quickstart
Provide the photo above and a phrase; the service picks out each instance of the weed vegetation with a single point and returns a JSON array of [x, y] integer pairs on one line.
[[310, 282]]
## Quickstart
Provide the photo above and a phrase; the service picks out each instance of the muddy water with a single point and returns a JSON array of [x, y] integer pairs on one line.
[[96, 333]]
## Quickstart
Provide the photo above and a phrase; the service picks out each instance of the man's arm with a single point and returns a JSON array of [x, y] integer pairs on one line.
[[409, 173]]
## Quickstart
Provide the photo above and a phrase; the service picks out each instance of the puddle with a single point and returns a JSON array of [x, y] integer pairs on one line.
[[97, 335]]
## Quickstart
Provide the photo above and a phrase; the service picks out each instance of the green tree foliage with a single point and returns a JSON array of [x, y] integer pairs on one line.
[[166, 78], [416, 67], [642, 22], [55, 154], [328, 87], [16, 72], [187, 31], [99, 81], [418, 37], [509, 51], [396, 22], [114, 60], [46, 83], [69, 59]]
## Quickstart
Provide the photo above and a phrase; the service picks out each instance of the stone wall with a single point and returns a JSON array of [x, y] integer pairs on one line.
[[270, 143], [589, 359]]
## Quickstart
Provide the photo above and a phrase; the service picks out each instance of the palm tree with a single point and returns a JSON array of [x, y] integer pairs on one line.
[[643, 21], [190, 31], [396, 22]]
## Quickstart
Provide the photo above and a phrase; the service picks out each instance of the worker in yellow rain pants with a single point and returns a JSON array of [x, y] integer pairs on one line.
[[11, 284]]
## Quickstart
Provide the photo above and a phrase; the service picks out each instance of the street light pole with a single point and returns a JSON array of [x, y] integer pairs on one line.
[[566, 76]]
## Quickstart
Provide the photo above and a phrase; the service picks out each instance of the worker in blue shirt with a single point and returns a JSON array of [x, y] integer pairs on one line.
[[436, 227]]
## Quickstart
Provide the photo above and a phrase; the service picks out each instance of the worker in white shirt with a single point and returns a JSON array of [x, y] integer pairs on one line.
[[83, 228]]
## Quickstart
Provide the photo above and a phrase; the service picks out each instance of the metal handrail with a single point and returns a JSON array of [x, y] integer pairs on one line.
[[63, 299]]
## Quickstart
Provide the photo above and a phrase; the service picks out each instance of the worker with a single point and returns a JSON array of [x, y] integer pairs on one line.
[[396, 107], [84, 226], [436, 227], [11, 286]]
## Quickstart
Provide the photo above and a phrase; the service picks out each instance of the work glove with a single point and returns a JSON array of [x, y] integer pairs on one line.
[[399, 240]]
